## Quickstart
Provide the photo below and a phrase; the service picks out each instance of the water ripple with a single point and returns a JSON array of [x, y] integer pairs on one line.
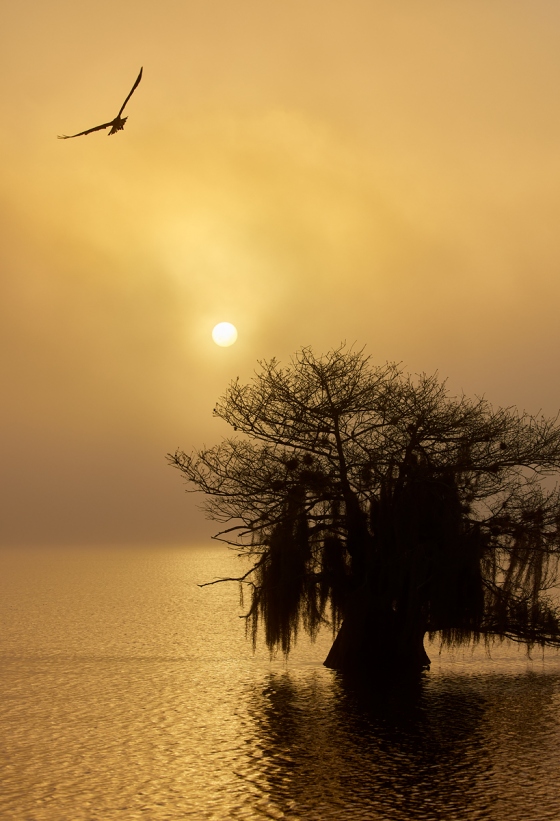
[[152, 707]]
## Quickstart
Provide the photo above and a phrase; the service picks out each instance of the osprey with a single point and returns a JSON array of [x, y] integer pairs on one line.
[[116, 125]]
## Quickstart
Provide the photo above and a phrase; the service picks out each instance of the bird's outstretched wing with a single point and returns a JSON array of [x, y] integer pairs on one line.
[[132, 90], [116, 122], [81, 133]]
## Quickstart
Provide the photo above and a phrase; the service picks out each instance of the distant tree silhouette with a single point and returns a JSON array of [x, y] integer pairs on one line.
[[386, 507]]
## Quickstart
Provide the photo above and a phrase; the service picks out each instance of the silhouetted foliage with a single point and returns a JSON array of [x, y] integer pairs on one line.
[[380, 503]]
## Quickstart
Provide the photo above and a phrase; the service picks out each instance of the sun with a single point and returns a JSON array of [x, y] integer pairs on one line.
[[224, 334]]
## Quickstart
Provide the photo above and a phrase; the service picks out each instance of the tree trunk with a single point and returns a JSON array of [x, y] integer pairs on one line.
[[376, 640]]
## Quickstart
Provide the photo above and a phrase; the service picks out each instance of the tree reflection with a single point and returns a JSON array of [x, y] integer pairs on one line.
[[330, 748]]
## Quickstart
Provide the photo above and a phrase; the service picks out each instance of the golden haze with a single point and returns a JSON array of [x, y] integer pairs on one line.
[[387, 174]]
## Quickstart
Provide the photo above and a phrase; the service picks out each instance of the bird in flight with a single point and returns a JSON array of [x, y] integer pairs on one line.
[[116, 125]]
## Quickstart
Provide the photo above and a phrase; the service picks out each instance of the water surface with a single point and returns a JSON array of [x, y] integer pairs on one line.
[[130, 693]]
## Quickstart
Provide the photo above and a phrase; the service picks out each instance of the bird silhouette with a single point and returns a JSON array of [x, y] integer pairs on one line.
[[116, 125]]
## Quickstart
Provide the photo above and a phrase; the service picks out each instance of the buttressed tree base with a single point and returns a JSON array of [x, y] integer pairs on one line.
[[381, 505]]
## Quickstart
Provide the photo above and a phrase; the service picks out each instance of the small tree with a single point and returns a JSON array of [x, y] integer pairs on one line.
[[383, 505]]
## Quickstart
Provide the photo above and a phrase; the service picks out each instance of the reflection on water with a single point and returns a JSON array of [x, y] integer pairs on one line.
[[453, 749], [130, 693]]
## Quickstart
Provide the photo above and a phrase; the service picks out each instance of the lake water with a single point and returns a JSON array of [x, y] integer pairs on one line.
[[130, 693]]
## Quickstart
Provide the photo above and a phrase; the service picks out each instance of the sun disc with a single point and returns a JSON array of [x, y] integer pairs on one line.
[[224, 334]]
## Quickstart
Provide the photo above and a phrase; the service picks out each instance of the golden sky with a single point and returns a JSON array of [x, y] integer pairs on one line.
[[386, 173]]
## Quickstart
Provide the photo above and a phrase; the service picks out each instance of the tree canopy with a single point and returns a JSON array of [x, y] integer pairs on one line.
[[377, 502]]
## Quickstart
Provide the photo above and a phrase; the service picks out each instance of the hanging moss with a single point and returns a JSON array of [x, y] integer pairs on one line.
[[373, 499]]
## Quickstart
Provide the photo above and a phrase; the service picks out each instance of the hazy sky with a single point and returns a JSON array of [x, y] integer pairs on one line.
[[386, 173]]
